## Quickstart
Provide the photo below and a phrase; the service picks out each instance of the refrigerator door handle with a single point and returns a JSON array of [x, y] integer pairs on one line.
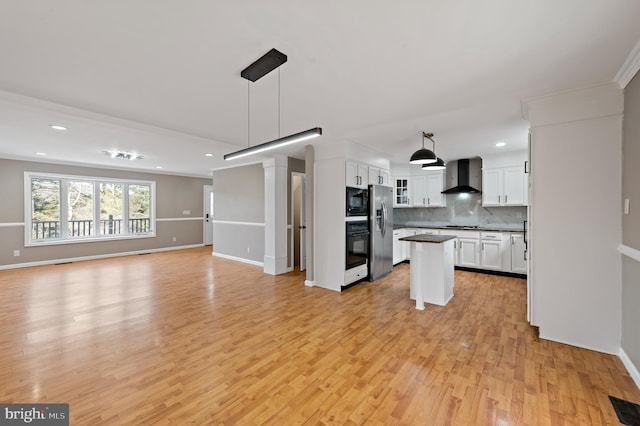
[[384, 218]]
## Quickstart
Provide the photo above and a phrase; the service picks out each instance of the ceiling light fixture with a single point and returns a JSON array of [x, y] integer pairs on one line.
[[57, 127], [123, 155], [261, 67], [41, 153], [208, 155], [423, 155], [501, 144], [439, 164]]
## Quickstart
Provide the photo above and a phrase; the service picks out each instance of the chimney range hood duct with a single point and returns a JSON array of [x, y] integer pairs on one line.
[[464, 176]]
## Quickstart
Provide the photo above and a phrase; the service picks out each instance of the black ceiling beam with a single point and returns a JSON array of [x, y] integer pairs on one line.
[[263, 66]]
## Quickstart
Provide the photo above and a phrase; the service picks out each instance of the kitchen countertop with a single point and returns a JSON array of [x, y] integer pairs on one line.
[[460, 228], [424, 238]]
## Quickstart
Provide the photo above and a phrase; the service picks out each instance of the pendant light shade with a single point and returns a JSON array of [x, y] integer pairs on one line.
[[423, 155], [439, 164]]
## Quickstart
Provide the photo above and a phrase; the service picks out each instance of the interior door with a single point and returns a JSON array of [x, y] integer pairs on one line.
[[208, 215], [303, 225]]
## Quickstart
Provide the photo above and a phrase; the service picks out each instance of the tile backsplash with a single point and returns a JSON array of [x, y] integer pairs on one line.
[[462, 210]]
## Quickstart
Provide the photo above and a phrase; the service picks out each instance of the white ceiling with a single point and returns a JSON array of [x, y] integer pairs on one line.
[[162, 77]]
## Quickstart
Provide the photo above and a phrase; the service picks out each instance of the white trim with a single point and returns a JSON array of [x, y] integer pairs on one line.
[[309, 283], [630, 67], [94, 257], [233, 222], [238, 259], [176, 219], [631, 369], [11, 224], [629, 252]]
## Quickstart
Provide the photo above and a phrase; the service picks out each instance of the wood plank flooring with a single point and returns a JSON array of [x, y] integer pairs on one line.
[[186, 338]]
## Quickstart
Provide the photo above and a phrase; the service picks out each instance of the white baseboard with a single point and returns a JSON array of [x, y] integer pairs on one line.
[[99, 256], [238, 259], [633, 371], [309, 283], [630, 252]]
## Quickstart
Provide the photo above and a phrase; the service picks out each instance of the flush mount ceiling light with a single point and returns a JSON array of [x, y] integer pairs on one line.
[[123, 155], [263, 66], [57, 127], [500, 144], [423, 155]]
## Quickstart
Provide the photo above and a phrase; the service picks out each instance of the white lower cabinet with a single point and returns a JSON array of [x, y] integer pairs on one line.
[[397, 246], [355, 274], [518, 254], [491, 251], [468, 254], [497, 251]]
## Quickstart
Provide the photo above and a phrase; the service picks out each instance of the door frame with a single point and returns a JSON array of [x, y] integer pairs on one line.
[[303, 176], [205, 191]]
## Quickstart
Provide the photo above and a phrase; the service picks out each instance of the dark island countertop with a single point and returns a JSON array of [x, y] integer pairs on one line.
[[424, 238]]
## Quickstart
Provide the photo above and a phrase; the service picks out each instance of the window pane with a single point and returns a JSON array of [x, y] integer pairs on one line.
[[111, 210], [80, 209], [45, 208], [139, 208]]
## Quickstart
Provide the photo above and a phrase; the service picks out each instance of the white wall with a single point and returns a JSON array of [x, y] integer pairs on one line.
[[575, 227]]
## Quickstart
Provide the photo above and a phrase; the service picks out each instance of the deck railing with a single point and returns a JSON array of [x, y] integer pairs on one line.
[[43, 229]]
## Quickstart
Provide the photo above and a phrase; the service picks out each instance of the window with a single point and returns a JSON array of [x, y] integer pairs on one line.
[[63, 209]]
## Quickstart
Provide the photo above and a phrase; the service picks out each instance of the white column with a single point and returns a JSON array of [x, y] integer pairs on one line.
[[275, 215]]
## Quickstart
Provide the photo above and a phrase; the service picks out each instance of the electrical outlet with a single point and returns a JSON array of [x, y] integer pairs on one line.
[[174, 239], [186, 211], [627, 201], [248, 249], [16, 253]]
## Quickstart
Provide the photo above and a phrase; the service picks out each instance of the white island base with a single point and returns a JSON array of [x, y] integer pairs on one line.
[[431, 271]]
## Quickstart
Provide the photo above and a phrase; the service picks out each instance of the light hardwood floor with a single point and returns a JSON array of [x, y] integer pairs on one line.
[[186, 338]]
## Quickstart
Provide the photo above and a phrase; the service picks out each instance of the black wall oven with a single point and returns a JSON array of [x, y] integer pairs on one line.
[[357, 201], [357, 243]]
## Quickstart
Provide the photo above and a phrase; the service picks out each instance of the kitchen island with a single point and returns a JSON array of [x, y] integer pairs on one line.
[[431, 269]]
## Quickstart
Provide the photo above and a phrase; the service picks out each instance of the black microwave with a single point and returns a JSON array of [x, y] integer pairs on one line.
[[357, 201]]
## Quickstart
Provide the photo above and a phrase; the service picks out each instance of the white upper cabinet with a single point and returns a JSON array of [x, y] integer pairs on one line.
[[505, 180], [504, 186], [401, 191], [427, 189], [357, 174], [379, 176], [362, 175]]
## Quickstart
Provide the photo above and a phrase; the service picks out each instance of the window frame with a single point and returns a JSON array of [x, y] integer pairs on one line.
[[64, 238]]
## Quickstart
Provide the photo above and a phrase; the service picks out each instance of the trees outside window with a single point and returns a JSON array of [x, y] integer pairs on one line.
[[71, 208]]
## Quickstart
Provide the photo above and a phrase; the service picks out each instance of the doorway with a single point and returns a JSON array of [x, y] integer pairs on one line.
[[208, 215], [299, 225]]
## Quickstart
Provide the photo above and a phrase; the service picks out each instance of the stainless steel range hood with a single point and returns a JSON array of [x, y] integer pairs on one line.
[[464, 176]]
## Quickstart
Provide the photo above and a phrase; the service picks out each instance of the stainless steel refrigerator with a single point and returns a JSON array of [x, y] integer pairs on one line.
[[380, 231]]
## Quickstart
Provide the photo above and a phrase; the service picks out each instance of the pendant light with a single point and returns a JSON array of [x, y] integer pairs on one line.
[[423, 155], [261, 67], [439, 164]]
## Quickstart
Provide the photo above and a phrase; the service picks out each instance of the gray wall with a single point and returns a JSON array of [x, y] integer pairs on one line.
[[173, 195], [463, 212], [239, 197], [631, 222]]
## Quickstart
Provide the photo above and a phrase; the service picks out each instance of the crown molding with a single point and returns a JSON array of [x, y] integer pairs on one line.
[[630, 67]]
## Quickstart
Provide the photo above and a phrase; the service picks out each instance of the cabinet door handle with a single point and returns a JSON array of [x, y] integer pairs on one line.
[[482, 246], [526, 168], [505, 199], [455, 245], [498, 199], [525, 254]]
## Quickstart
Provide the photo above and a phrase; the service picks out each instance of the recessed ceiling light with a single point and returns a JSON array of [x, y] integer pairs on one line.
[[57, 127], [208, 155], [41, 153], [501, 144]]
